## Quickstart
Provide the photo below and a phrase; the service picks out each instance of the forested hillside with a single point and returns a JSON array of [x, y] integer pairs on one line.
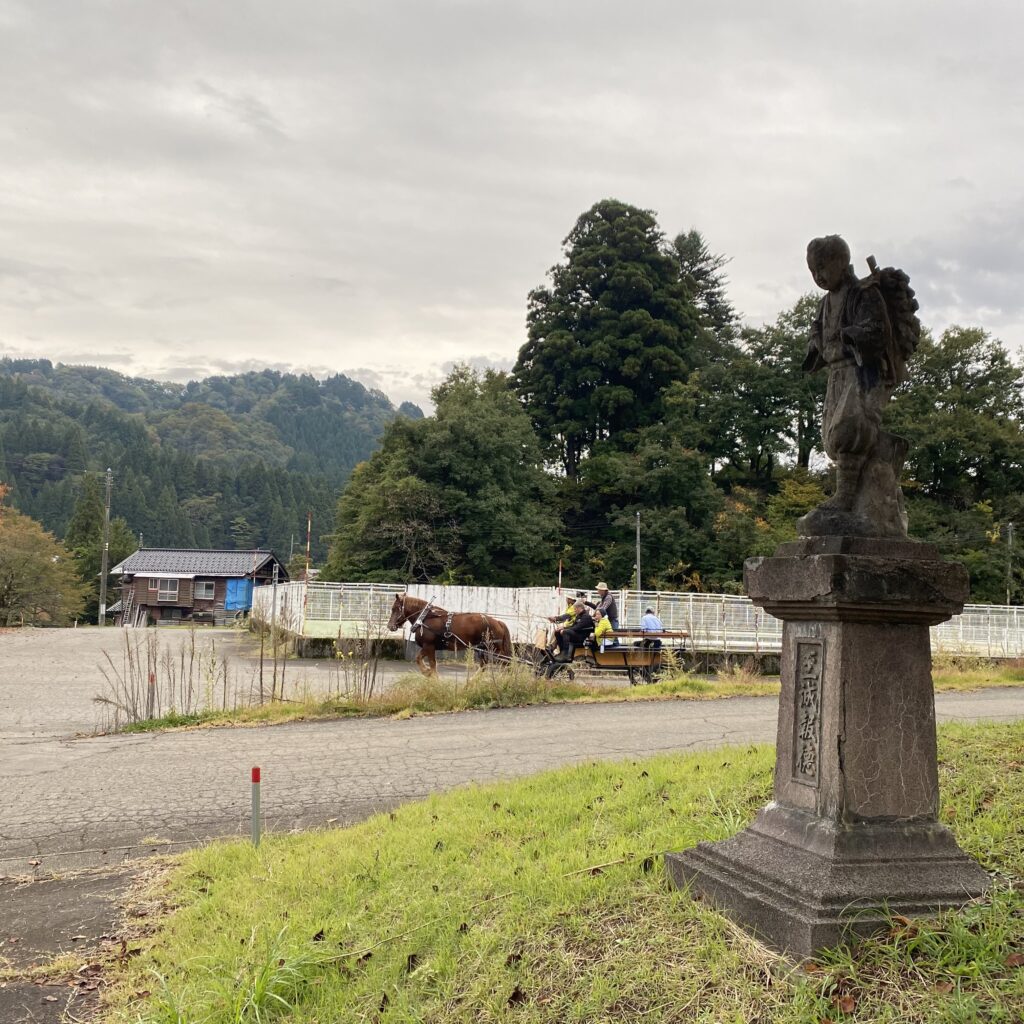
[[639, 393], [226, 461]]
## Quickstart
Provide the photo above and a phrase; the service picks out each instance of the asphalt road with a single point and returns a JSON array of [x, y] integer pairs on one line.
[[50, 678], [75, 801]]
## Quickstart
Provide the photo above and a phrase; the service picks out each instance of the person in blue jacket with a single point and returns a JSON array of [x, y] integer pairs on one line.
[[650, 623]]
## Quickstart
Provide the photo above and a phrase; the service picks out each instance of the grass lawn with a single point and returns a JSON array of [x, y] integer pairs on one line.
[[413, 694], [546, 900]]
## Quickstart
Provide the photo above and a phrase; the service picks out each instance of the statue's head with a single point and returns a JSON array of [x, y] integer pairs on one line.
[[828, 259]]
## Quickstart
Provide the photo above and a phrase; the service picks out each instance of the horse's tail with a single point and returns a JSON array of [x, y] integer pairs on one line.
[[506, 641]]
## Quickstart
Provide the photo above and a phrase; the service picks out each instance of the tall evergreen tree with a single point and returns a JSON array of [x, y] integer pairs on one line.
[[87, 518], [702, 274], [615, 326]]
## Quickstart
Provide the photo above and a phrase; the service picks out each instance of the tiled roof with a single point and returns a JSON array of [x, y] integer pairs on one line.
[[194, 560]]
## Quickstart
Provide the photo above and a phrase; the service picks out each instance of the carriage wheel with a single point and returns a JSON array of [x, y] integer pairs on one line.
[[538, 658], [562, 670], [641, 675]]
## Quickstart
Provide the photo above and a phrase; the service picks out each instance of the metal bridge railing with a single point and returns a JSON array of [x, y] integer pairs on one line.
[[715, 622]]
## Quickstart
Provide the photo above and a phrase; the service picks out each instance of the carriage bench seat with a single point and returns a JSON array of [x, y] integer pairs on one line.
[[679, 635]]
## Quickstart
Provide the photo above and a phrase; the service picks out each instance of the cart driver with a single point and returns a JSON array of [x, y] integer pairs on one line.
[[573, 636]]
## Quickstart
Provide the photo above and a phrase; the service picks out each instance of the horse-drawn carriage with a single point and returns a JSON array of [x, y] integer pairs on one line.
[[639, 655]]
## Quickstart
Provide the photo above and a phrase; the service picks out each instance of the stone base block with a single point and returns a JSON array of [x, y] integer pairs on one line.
[[801, 902]]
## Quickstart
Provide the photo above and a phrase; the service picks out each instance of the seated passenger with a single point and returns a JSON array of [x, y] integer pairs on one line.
[[650, 623], [602, 631]]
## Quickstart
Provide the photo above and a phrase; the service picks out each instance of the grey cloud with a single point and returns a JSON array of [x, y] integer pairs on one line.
[[342, 186], [247, 109], [969, 271]]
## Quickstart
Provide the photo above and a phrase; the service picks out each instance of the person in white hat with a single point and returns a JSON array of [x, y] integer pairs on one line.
[[606, 604]]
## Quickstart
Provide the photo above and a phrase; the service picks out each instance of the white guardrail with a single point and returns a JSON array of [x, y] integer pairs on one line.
[[714, 622]]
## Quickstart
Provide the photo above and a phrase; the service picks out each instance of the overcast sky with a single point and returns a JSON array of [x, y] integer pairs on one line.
[[205, 187]]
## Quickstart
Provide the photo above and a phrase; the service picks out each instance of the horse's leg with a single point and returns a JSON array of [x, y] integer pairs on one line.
[[425, 660]]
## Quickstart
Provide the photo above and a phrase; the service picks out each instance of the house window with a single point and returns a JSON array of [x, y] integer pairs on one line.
[[204, 590], [153, 583], [168, 590]]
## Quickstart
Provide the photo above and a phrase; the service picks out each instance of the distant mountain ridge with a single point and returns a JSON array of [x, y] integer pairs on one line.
[[227, 459]]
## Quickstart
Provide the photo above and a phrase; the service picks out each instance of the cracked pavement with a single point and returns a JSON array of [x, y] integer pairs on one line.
[[79, 801]]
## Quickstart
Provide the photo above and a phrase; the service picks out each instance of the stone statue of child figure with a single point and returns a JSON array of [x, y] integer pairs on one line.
[[864, 332]]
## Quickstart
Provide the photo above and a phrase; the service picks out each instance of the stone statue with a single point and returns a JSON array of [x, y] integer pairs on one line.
[[852, 833], [864, 333]]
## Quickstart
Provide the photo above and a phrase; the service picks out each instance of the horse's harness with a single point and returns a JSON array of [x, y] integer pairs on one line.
[[419, 625]]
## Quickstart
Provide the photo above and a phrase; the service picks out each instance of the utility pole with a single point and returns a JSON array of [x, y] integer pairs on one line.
[[1009, 560], [638, 588], [273, 632], [309, 533], [105, 559]]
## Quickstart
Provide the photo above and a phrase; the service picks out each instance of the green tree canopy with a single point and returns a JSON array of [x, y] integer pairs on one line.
[[702, 274], [39, 582], [187, 461], [963, 412], [615, 326], [84, 539], [779, 404], [460, 495], [86, 525]]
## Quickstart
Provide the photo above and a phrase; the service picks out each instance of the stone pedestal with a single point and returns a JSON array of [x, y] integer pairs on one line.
[[853, 828]]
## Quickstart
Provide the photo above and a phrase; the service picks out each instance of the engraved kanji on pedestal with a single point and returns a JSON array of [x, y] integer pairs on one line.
[[810, 655]]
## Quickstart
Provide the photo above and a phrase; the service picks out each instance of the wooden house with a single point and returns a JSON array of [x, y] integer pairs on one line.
[[191, 585]]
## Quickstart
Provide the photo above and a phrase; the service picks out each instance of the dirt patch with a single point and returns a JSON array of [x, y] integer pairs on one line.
[[41, 920], [26, 1002], [54, 935]]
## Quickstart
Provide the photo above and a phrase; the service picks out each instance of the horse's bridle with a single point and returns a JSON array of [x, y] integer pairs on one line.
[[407, 616], [420, 622]]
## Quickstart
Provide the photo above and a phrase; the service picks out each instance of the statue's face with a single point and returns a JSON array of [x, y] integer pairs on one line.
[[827, 273]]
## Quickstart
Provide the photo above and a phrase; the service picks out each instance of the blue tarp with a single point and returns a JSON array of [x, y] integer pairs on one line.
[[239, 596]]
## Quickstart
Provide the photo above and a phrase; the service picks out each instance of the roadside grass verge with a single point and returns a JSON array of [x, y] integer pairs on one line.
[[546, 900], [414, 694], [965, 672]]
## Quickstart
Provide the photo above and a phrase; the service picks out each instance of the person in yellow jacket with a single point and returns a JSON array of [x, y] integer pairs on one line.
[[568, 617], [602, 630]]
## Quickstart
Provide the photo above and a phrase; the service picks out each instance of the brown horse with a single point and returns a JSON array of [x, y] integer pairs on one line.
[[440, 630]]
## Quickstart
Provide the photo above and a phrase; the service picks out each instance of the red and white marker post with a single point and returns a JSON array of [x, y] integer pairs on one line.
[[255, 807]]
